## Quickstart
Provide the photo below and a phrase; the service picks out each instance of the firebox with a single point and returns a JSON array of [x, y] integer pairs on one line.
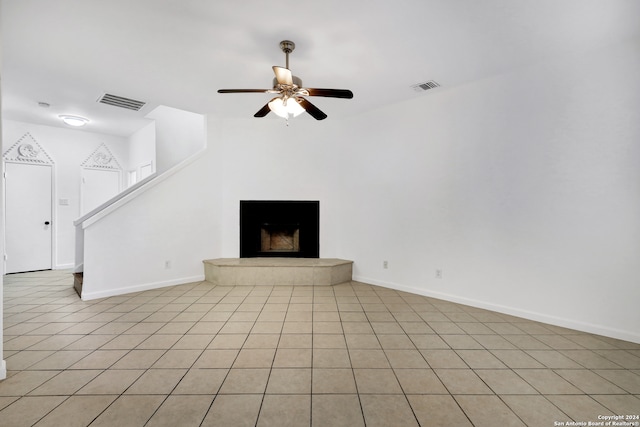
[[278, 228]]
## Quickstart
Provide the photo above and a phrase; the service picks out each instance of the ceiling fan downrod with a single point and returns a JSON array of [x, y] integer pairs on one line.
[[287, 47]]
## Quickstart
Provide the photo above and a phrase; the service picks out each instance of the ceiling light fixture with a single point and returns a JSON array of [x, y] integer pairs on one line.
[[286, 108], [75, 121], [291, 100]]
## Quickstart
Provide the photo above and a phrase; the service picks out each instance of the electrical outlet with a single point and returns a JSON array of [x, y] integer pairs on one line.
[[167, 265], [385, 264], [438, 274]]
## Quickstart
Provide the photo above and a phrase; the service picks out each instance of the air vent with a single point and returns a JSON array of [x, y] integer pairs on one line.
[[421, 87], [122, 102]]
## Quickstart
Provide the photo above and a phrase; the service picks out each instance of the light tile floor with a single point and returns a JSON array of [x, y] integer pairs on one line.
[[349, 355]]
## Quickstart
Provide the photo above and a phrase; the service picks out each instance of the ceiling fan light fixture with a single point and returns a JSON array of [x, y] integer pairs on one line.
[[286, 109], [291, 101], [75, 121]]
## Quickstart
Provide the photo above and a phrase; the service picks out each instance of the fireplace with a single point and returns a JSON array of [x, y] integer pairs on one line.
[[280, 237], [279, 228]]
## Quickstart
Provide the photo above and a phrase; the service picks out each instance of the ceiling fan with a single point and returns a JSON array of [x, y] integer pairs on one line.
[[290, 101]]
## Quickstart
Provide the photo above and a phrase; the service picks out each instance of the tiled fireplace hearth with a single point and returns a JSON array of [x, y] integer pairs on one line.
[[274, 271]]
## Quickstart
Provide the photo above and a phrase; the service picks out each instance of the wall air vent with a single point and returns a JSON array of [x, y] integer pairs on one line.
[[421, 87], [122, 102]]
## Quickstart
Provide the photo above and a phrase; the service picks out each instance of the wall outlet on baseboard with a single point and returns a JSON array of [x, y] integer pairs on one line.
[[167, 265], [438, 274], [385, 264]]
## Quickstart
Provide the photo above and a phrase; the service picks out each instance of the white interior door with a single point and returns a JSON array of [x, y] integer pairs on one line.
[[28, 217], [146, 170], [98, 186]]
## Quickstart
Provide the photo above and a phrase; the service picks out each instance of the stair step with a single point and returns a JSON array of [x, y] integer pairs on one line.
[[77, 283]]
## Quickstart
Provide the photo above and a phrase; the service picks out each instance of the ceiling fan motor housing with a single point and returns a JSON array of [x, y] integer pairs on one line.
[[297, 81]]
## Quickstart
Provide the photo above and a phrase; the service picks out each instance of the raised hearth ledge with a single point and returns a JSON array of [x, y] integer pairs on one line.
[[273, 271]]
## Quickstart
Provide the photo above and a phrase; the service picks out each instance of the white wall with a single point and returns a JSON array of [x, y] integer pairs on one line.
[[142, 149], [174, 221], [179, 134], [3, 363], [266, 160], [68, 148], [524, 189]]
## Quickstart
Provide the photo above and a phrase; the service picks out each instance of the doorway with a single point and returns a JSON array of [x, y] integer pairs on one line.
[[101, 179], [28, 217], [98, 186]]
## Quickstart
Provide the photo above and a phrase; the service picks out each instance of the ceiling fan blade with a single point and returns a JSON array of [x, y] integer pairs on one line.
[[283, 75], [243, 90], [331, 93], [315, 112], [263, 111]]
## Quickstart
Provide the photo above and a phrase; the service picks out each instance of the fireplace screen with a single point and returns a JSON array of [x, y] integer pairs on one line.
[[279, 229]]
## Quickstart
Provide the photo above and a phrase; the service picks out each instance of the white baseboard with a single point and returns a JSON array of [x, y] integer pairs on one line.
[[3, 369], [63, 266], [86, 296], [626, 335]]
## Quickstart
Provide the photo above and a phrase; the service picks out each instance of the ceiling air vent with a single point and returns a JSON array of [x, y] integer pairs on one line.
[[122, 102], [421, 87]]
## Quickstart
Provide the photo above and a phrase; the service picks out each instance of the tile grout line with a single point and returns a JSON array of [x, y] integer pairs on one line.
[[266, 385], [353, 373], [415, 416]]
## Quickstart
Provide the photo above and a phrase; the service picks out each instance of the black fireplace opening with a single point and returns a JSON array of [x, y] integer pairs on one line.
[[279, 228]]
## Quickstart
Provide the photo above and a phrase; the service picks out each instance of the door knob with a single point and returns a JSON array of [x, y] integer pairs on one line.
[[46, 223]]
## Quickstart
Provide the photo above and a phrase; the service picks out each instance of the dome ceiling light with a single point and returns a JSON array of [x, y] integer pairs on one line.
[[75, 121]]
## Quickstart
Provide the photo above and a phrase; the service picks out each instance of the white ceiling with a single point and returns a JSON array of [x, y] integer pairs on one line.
[[179, 52]]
